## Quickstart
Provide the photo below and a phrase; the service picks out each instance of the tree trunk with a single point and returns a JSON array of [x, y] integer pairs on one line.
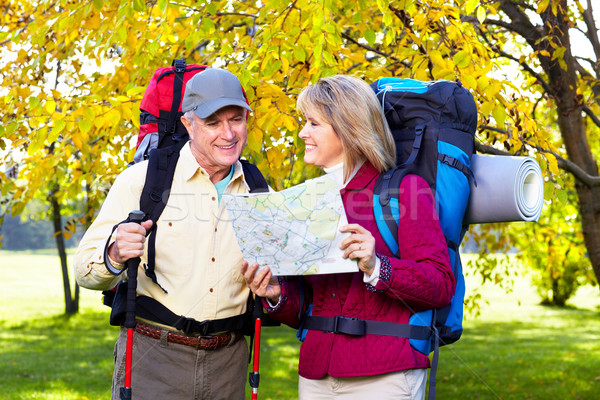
[[562, 83], [71, 304]]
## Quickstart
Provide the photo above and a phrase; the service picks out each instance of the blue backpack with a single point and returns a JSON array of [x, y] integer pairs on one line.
[[433, 124]]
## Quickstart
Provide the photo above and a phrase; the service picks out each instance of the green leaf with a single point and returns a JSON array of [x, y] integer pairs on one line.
[[84, 125], [59, 125], [162, 5], [299, 54], [11, 127], [462, 59], [98, 4], [370, 36], [139, 5]]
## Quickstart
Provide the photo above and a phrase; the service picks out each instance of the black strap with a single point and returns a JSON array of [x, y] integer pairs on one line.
[[388, 187], [361, 327], [253, 177], [152, 310], [155, 194], [457, 164], [419, 133], [179, 65], [434, 362]]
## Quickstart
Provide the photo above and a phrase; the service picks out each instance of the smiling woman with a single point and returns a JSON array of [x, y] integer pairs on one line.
[[323, 145]]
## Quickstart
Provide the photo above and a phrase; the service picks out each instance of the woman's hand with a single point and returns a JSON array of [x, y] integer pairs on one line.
[[359, 245], [262, 283]]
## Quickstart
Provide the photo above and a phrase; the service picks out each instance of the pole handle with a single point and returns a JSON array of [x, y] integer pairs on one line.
[[132, 270]]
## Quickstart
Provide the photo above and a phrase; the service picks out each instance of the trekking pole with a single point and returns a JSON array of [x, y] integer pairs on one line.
[[132, 270], [254, 378]]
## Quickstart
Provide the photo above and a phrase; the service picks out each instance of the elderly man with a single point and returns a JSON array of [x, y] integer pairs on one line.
[[197, 275]]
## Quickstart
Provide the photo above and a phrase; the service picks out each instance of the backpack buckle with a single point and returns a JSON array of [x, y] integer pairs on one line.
[[179, 65], [349, 326], [190, 326], [451, 161]]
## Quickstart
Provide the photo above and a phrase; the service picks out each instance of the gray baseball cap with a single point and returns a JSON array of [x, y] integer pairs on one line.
[[211, 90]]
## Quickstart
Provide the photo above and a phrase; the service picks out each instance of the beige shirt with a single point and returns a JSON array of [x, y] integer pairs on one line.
[[198, 259]]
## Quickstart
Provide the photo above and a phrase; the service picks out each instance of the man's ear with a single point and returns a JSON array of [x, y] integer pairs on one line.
[[188, 125]]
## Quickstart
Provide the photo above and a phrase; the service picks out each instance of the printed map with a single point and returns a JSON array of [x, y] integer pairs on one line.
[[295, 231]]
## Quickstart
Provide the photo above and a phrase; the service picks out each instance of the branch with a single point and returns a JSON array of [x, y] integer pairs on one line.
[[564, 164], [520, 22], [592, 32], [527, 68], [591, 114], [401, 14], [369, 48]]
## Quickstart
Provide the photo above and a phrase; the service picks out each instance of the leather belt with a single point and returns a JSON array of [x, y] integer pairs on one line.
[[199, 342]]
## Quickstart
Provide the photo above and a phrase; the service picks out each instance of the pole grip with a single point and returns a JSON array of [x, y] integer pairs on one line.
[[132, 270]]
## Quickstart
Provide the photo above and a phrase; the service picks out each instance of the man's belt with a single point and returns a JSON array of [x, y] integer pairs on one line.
[[200, 342]]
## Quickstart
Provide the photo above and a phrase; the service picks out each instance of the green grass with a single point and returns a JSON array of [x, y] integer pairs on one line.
[[516, 349]]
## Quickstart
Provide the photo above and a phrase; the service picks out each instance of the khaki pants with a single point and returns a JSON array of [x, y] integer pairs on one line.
[[165, 370], [401, 385]]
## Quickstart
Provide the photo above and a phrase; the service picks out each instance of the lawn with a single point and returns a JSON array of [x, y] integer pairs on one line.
[[516, 349]]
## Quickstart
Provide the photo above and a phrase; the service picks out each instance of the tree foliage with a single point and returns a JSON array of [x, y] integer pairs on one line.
[[73, 74]]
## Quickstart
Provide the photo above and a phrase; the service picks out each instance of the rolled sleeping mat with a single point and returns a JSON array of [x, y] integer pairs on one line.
[[509, 188]]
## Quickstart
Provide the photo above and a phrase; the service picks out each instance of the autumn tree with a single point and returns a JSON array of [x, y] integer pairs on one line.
[[73, 74]]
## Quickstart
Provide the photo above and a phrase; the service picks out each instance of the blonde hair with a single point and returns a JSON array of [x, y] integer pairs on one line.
[[351, 107]]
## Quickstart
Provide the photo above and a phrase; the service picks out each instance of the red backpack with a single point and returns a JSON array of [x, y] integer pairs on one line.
[[160, 110]]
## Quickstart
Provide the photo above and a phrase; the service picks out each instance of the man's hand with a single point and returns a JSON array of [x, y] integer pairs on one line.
[[129, 242]]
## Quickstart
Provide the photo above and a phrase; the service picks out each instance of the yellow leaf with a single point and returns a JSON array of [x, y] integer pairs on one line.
[[470, 6], [50, 106], [486, 108], [77, 142], [255, 139], [481, 14], [470, 81], [542, 6], [290, 123], [552, 163], [499, 114]]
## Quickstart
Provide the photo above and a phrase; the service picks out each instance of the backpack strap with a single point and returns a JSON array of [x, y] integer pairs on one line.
[[416, 146], [171, 127], [361, 327], [385, 211], [152, 310], [254, 178], [157, 188], [455, 163]]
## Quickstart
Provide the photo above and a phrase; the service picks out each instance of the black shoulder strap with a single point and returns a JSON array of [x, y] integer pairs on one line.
[[157, 188], [254, 178], [179, 65], [388, 187]]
